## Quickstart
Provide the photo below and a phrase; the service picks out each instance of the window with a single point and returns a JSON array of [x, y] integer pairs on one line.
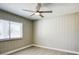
[[4, 29], [10, 30], [16, 30]]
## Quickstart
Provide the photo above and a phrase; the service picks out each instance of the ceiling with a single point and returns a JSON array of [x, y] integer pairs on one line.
[[57, 8]]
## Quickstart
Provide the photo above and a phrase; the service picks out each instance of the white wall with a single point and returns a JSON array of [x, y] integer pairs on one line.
[[60, 32]]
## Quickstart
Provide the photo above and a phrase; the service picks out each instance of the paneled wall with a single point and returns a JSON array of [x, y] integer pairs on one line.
[[61, 32], [27, 33]]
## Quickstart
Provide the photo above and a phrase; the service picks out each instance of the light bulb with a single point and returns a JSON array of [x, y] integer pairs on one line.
[[36, 13]]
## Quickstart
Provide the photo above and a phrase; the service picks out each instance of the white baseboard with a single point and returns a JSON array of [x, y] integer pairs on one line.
[[6, 53], [62, 50]]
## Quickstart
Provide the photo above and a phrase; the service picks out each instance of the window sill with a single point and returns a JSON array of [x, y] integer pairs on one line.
[[10, 39]]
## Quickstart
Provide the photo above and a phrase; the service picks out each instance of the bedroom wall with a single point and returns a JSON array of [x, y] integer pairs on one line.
[[61, 32], [27, 32]]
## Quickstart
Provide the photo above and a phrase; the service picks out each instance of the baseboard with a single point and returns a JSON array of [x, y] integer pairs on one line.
[[10, 52], [62, 50]]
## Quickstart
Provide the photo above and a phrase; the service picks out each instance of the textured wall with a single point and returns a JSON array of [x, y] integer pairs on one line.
[[27, 33], [60, 32]]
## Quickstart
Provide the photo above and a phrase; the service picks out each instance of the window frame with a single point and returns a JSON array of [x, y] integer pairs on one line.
[[17, 38]]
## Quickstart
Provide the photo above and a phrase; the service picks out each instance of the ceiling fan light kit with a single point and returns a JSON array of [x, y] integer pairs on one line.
[[38, 12]]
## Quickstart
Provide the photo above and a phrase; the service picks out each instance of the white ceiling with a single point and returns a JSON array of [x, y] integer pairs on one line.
[[57, 8]]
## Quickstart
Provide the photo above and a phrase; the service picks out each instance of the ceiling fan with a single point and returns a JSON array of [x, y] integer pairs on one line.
[[38, 11]]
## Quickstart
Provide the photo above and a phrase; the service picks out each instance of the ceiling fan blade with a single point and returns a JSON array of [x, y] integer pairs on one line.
[[28, 10], [38, 6], [41, 15], [45, 11], [32, 14]]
